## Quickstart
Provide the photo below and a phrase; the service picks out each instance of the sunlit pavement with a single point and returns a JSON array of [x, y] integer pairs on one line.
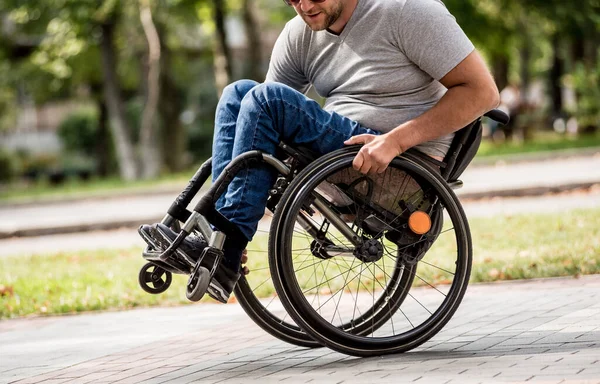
[[541, 331]]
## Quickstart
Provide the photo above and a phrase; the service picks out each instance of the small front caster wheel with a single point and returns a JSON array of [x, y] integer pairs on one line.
[[153, 279], [197, 284]]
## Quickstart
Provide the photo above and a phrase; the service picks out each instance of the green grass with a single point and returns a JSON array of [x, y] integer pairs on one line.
[[542, 142], [505, 248], [531, 246]]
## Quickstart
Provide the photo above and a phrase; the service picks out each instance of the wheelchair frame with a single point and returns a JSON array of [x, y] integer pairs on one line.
[[204, 214]]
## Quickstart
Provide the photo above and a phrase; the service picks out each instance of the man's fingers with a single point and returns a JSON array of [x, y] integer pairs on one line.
[[366, 162], [375, 169], [361, 162], [358, 161], [381, 166], [360, 139], [381, 169]]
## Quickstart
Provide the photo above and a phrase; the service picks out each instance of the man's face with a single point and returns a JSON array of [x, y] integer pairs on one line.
[[320, 16]]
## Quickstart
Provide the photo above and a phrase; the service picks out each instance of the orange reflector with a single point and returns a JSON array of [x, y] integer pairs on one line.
[[419, 222]]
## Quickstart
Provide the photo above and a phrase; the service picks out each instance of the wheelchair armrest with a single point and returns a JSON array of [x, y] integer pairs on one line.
[[499, 116], [456, 184]]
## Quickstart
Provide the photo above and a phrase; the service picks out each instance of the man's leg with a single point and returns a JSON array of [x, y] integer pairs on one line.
[[267, 114], [271, 113], [225, 122]]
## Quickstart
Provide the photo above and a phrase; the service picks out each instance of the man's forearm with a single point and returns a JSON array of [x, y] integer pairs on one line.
[[457, 108], [471, 93]]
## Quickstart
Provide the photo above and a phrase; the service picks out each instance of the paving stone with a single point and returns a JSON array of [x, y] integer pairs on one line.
[[509, 332]]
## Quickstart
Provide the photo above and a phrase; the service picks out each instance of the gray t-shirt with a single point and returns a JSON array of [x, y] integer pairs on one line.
[[383, 69]]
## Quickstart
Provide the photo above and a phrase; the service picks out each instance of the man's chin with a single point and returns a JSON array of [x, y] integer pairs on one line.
[[315, 24], [317, 28]]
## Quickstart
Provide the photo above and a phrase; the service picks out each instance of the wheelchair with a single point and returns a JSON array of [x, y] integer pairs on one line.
[[363, 264]]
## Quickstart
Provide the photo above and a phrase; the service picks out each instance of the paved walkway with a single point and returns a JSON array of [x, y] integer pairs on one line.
[[529, 177], [542, 331]]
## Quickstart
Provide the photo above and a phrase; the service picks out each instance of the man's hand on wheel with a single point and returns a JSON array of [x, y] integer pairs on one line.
[[376, 153]]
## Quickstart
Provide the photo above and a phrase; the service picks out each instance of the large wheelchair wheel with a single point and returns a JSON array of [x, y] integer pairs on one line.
[[269, 314], [255, 292], [257, 296], [393, 286]]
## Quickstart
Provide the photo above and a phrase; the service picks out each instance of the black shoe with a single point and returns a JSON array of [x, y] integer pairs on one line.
[[192, 247], [222, 284], [160, 237]]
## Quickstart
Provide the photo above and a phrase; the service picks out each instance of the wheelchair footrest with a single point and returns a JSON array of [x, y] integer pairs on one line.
[[177, 263]]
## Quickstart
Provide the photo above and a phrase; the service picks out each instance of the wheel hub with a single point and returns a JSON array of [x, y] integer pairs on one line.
[[370, 251]]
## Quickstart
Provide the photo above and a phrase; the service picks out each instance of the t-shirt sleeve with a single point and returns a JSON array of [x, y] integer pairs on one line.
[[285, 64], [430, 37]]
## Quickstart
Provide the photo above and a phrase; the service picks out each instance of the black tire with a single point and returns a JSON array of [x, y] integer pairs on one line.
[[267, 311], [402, 316], [274, 322], [155, 275], [197, 284]]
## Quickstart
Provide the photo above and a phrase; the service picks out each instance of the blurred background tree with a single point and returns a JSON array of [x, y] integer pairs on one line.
[[132, 85]]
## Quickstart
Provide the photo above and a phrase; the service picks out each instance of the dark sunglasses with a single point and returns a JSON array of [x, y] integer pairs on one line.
[[295, 2]]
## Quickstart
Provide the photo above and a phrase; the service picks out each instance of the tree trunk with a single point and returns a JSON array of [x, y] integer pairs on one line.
[[253, 43], [522, 125], [149, 148], [591, 49], [103, 149], [556, 73], [525, 54], [578, 46], [222, 57], [500, 70], [174, 135], [112, 94], [102, 146]]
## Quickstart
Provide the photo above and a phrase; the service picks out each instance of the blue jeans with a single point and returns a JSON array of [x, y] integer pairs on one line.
[[257, 116]]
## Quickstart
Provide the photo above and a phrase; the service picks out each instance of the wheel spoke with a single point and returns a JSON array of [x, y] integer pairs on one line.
[[261, 284], [435, 266], [363, 266], [334, 277], [408, 301], [148, 277]]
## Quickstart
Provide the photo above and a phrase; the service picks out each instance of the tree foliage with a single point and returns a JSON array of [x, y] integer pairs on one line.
[[53, 49]]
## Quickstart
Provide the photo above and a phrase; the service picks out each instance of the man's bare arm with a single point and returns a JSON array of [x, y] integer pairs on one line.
[[471, 93]]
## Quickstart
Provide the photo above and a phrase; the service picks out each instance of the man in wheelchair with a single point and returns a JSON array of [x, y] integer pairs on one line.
[[395, 74]]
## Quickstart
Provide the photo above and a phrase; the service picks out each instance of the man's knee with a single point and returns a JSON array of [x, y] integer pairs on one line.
[[269, 96], [272, 90], [238, 89]]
